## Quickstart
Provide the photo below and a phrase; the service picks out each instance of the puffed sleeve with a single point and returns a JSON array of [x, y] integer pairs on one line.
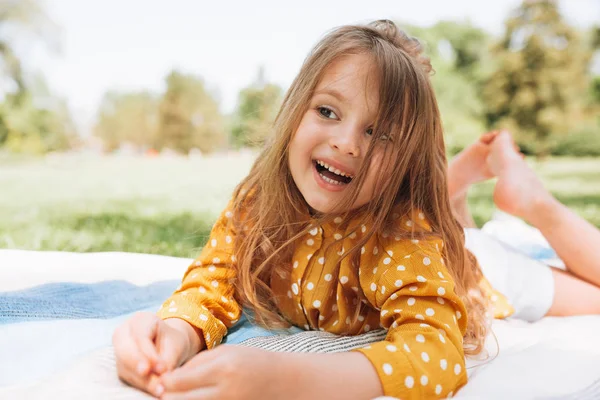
[[205, 298], [422, 355]]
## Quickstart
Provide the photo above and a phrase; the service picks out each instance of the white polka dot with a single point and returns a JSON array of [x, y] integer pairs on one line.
[[321, 260], [420, 338], [341, 252], [228, 214], [420, 317], [363, 228], [383, 290], [411, 301], [224, 299], [409, 382], [373, 286], [354, 288], [316, 304], [415, 241], [430, 312], [443, 364], [409, 223], [212, 268], [458, 314], [421, 215], [352, 235], [334, 308], [375, 250], [367, 328], [310, 242], [438, 389], [457, 369], [295, 264], [406, 347], [361, 318], [208, 336], [328, 277], [387, 260], [441, 291], [424, 380], [216, 260], [421, 278], [383, 313], [203, 317], [347, 320], [387, 369], [337, 236], [442, 338], [401, 268], [394, 296], [344, 279], [308, 257], [338, 220], [398, 283], [295, 288], [172, 309], [426, 261], [425, 356], [202, 289], [321, 318], [310, 286], [362, 250], [374, 270], [412, 288], [440, 275], [424, 325], [215, 283], [391, 347], [289, 294], [440, 300], [213, 243]]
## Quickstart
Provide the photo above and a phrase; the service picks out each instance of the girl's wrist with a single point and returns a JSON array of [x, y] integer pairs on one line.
[[193, 335]]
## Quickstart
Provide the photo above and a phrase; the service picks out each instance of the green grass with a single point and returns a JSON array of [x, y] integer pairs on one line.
[[167, 206]]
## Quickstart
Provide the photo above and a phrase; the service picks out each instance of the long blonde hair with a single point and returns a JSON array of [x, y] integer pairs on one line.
[[271, 214]]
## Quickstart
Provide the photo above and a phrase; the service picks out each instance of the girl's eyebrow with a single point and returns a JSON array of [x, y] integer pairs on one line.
[[332, 92]]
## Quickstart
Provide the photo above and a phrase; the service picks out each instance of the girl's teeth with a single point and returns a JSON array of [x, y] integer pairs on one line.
[[334, 170], [329, 180]]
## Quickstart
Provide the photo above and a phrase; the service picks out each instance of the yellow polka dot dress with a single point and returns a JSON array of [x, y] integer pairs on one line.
[[402, 285]]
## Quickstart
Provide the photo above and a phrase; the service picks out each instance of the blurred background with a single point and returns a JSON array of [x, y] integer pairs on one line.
[[125, 124]]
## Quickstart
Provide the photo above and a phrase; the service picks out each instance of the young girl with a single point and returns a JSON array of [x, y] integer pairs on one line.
[[344, 224]]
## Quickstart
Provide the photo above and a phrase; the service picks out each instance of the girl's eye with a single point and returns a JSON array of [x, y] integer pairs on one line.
[[326, 112], [383, 138], [370, 131]]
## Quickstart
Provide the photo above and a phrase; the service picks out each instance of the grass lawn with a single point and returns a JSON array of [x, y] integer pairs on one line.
[[167, 205]]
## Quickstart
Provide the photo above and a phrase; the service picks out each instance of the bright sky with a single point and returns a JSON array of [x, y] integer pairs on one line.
[[133, 44]]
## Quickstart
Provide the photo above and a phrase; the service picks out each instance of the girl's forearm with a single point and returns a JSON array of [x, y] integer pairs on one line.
[[329, 376]]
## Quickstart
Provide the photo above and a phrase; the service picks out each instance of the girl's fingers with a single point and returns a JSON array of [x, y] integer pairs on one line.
[[198, 394], [144, 334], [127, 353], [190, 376]]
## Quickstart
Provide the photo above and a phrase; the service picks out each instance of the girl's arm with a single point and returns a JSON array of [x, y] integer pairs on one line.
[[205, 299]]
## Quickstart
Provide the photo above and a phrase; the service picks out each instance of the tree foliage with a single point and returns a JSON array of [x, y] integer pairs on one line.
[[538, 87], [257, 108]]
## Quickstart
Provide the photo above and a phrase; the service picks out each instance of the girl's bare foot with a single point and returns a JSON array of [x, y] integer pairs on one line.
[[470, 166], [518, 190]]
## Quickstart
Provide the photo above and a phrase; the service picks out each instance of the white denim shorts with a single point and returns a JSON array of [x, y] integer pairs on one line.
[[528, 284]]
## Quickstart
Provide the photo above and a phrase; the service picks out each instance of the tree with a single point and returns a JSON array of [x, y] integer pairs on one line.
[[128, 117], [460, 57], [538, 88], [257, 108], [28, 127], [19, 19], [189, 116]]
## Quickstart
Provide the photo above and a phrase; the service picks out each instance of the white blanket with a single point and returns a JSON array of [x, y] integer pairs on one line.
[[552, 358]]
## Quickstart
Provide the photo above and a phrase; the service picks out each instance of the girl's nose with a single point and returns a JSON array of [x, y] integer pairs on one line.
[[345, 140]]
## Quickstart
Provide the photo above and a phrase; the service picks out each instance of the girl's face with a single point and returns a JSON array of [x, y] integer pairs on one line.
[[332, 139]]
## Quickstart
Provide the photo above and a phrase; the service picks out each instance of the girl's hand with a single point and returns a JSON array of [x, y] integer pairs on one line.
[[146, 346], [230, 372]]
